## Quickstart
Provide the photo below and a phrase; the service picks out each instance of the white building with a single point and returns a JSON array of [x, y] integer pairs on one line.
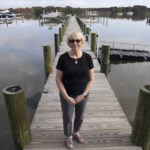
[[130, 13]]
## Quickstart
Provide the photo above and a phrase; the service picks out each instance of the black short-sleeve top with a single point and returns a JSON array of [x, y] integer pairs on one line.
[[75, 75]]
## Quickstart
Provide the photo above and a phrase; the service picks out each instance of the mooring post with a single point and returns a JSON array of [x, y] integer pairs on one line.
[[47, 51], [84, 29], [105, 55], [141, 125], [87, 37], [60, 34], [57, 48], [63, 32], [17, 112], [83, 26], [88, 31], [64, 27], [93, 42]]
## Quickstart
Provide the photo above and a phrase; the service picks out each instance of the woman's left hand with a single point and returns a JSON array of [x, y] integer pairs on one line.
[[78, 99]]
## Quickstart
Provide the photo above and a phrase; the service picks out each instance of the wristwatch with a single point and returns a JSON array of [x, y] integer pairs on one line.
[[84, 94]]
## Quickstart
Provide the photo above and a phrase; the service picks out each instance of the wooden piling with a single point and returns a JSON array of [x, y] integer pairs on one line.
[[47, 51], [88, 31], [87, 38], [105, 55], [141, 126], [62, 29], [84, 27], [93, 42], [60, 35], [57, 48], [17, 111]]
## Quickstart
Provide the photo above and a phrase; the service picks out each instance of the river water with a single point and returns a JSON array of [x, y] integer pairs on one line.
[[126, 77], [21, 62]]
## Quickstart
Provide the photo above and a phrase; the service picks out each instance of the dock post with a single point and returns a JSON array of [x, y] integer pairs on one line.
[[47, 51], [84, 28], [87, 38], [64, 27], [63, 30], [17, 112], [88, 31], [57, 48], [60, 35], [141, 125], [93, 43], [105, 55]]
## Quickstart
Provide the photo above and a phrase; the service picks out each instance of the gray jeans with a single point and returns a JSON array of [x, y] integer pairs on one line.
[[68, 110]]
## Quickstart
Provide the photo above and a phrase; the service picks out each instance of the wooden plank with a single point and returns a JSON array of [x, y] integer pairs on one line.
[[99, 148], [89, 144], [95, 126], [88, 120], [44, 134], [92, 109], [87, 114]]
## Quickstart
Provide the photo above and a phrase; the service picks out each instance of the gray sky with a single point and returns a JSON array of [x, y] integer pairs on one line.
[[72, 3]]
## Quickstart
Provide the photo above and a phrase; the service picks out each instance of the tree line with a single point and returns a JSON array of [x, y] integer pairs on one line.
[[36, 11]]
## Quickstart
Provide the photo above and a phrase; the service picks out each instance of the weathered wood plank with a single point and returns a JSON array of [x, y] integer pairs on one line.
[[88, 120], [100, 148], [92, 109], [91, 148], [43, 134], [92, 144], [87, 114], [96, 126]]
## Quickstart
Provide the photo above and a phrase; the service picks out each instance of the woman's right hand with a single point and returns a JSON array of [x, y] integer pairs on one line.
[[70, 100]]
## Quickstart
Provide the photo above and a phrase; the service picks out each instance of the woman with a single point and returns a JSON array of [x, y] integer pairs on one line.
[[74, 78]]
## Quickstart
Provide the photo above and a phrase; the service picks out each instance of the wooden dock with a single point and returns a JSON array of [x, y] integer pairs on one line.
[[105, 125], [9, 20], [123, 54]]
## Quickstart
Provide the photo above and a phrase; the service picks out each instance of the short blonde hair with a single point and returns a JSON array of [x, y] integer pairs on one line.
[[78, 34]]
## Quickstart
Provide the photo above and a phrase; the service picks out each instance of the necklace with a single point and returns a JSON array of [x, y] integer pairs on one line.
[[76, 61]]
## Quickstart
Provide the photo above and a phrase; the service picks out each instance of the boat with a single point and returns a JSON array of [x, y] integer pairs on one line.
[[7, 14], [89, 20], [2, 15], [51, 14], [10, 15]]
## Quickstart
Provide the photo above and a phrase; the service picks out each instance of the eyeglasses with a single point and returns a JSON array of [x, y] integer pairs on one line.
[[72, 41]]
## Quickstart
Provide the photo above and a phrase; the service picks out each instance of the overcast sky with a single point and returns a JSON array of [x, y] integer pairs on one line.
[[72, 3]]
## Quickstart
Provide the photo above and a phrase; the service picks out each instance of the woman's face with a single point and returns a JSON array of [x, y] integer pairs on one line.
[[75, 42]]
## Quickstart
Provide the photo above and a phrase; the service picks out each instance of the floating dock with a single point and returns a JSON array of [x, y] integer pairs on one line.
[[124, 54]]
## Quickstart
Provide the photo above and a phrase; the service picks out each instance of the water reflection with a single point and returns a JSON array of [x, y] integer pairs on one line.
[[21, 62], [148, 21], [126, 79], [122, 31]]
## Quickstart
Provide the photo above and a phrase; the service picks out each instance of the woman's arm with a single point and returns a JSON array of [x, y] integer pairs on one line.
[[62, 90], [88, 86], [90, 83]]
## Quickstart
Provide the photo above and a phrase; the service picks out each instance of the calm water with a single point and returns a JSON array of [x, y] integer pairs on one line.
[[123, 31], [21, 62], [126, 78]]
